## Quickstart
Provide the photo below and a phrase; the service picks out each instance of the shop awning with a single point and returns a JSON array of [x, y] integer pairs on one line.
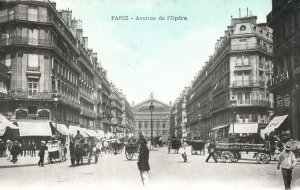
[[73, 131], [90, 132], [244, 128], [4, 123], [34, 129], [62, 129], [274, 124], [219, 127]]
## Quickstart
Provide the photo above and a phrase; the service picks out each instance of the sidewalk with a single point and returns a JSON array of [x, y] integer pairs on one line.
[[23, 161]]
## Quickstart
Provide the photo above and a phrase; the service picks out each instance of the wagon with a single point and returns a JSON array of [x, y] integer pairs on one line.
[[55, 152], [197, 145], [231, 152], [117, 146], [131, 150], [174, 144]]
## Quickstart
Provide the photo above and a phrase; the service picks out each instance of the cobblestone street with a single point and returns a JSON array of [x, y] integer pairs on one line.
[[168, 171]]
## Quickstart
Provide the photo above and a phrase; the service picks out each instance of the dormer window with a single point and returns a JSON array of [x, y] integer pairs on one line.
[[243, 28]]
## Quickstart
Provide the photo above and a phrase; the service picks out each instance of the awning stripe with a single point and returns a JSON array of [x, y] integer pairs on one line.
[[34, 129], [219, 127], [73, 131], [244, 128], [274, 124]]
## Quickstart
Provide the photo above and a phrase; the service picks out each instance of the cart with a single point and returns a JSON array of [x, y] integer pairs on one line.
[[55, 152], [197, 145], [231, 152], [131, 150], [174, 144]]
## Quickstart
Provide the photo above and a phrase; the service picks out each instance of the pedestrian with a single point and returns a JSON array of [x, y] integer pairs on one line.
[[2, 147], [65, 150], [24, 148], [211, 150], [15, 150], [287, 161], [33, 148], [105, 144], [72, 152], [41, 154], [98, 150], [143, 162], [8, 149]]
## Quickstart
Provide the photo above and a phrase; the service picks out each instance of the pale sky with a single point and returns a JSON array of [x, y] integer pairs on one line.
[[162, 56]]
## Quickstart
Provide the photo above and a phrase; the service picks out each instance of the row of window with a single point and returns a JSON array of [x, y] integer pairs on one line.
[[156, 124]]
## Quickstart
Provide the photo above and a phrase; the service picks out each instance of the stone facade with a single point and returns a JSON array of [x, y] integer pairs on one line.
[[285, 83]]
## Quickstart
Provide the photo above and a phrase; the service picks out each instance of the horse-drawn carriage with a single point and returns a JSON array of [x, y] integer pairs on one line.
[[174, 144], [131, 149], [231, 152], [197, 145], [85, 151], [116, 146]]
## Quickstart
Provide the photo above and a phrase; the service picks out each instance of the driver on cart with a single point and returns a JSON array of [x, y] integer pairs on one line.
[[78, 136]]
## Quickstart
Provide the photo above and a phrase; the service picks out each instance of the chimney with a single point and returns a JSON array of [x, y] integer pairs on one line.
[[79, 33], [53, 4], [85, 42], [79, 24], [94, 55], [74, 26], [66, 16]]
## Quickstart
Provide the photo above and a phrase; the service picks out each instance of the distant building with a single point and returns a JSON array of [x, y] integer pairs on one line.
[[178, 117], [160, 119], [285, 83], [236, 73]]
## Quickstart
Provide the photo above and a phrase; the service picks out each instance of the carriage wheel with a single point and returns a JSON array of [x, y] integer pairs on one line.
[[128, 155], [263, 158], [227, 156]]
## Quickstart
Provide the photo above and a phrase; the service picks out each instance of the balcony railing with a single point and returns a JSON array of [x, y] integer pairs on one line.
[[28, 95], [251, 46], [242, 83], [87, 112], [33, 68], [249, 102], [243, 67]]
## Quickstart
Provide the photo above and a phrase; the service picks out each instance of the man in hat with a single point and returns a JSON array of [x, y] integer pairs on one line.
[[43, 148], [78, 136], [15, 150], [287, 161], [143, 161]]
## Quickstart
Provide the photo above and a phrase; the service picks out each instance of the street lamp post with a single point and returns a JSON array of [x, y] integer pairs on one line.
[[233, 103], [151, 108], [200, 117], [56, 99]]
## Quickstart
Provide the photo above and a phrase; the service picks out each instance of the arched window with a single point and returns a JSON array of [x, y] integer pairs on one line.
[[21, 114], [44, 114]]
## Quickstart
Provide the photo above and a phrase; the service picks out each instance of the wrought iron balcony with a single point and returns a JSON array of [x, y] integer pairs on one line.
[[252, 46]]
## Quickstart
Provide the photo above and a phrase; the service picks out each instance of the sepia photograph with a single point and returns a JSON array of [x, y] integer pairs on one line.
[[150, 94]]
